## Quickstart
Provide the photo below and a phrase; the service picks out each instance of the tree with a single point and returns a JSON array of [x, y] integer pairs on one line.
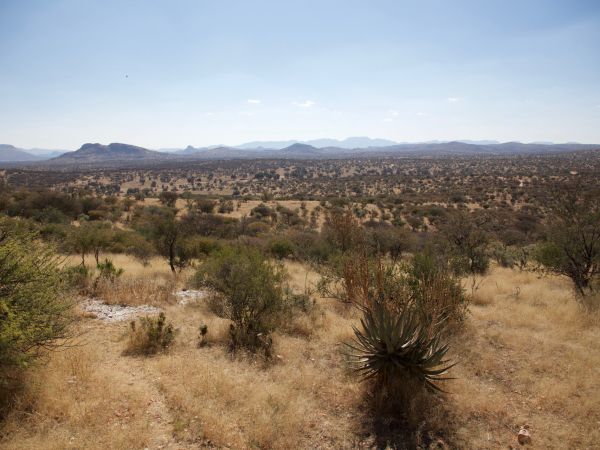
[[467, 241], [100, 237], [34, 314], [90, 237], [166, 232], [205, 205], [572, 246], [168, 198], [343, 231], [80, 242]]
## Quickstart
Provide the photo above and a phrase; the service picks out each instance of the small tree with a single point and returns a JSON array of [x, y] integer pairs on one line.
[[100, 236], [164, 230], [80, 242], [467, 242], [343, 231], [253, 292], [168, 198], [572, 246], [205, 205]]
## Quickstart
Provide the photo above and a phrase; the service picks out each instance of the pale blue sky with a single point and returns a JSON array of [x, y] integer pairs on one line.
[[173, 73]]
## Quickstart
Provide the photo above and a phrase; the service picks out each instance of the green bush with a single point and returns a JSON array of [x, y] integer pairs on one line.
[[205, 205], [108, 271], [281, 248], [503, 255], [252, 291], [310, 246], [77, 278], [34, 314]]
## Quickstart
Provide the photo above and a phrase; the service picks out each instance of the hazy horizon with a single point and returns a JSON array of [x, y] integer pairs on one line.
[[172, 74], [247, 146]]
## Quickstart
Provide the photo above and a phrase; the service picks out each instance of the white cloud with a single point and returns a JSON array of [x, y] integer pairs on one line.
[[452, 99], [388, 119], [254, 101], [304, 104], [209, 113], [394, 113], [246, 113], [421, 114]]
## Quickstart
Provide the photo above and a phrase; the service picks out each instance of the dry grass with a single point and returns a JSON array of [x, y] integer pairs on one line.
[[86, 398], [528, 356], [133, 268], [157, 291]]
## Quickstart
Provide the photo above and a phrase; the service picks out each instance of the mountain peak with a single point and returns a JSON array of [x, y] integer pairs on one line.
[[115, 151], [300, 148]]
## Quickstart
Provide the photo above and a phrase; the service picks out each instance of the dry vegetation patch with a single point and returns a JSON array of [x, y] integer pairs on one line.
[[137, 291], [529, 356]]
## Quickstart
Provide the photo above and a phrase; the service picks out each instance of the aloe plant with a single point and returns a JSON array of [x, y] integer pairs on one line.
[[393, 345]]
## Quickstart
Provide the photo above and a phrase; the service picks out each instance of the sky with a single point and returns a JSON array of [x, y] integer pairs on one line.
[[167, 74]]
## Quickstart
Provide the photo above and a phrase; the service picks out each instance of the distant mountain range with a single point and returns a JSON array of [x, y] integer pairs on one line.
[[349, 143], [299, 150], [115, 153], [12, 153]]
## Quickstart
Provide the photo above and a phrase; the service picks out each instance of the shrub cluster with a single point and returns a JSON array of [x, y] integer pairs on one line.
[[250, 291]]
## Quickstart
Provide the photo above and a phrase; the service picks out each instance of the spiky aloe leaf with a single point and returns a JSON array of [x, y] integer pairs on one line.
[[391, 345]]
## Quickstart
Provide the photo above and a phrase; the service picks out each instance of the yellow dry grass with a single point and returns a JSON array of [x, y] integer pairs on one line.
[[133, 268], [529, 356], [155, 291]]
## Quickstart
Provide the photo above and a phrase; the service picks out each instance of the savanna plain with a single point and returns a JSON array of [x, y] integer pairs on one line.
[[403, 303]]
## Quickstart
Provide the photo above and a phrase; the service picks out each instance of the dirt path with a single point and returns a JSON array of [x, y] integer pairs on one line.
[[136, 372]]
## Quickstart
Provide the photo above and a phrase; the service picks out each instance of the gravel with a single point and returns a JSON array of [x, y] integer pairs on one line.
[[190, 296], [116, 313]]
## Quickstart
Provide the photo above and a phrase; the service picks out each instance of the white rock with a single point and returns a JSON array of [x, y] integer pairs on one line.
[[524, 437], [190, 296], [116, 313]]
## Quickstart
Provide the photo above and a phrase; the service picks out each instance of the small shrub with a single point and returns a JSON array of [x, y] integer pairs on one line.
[[503, 255], [202, 332], [108, 271], [466, 242], [281, 248], [433, 292], [152, 335], [205, 205]]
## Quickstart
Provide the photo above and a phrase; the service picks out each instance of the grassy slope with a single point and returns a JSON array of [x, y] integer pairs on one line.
[[528, 356]]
